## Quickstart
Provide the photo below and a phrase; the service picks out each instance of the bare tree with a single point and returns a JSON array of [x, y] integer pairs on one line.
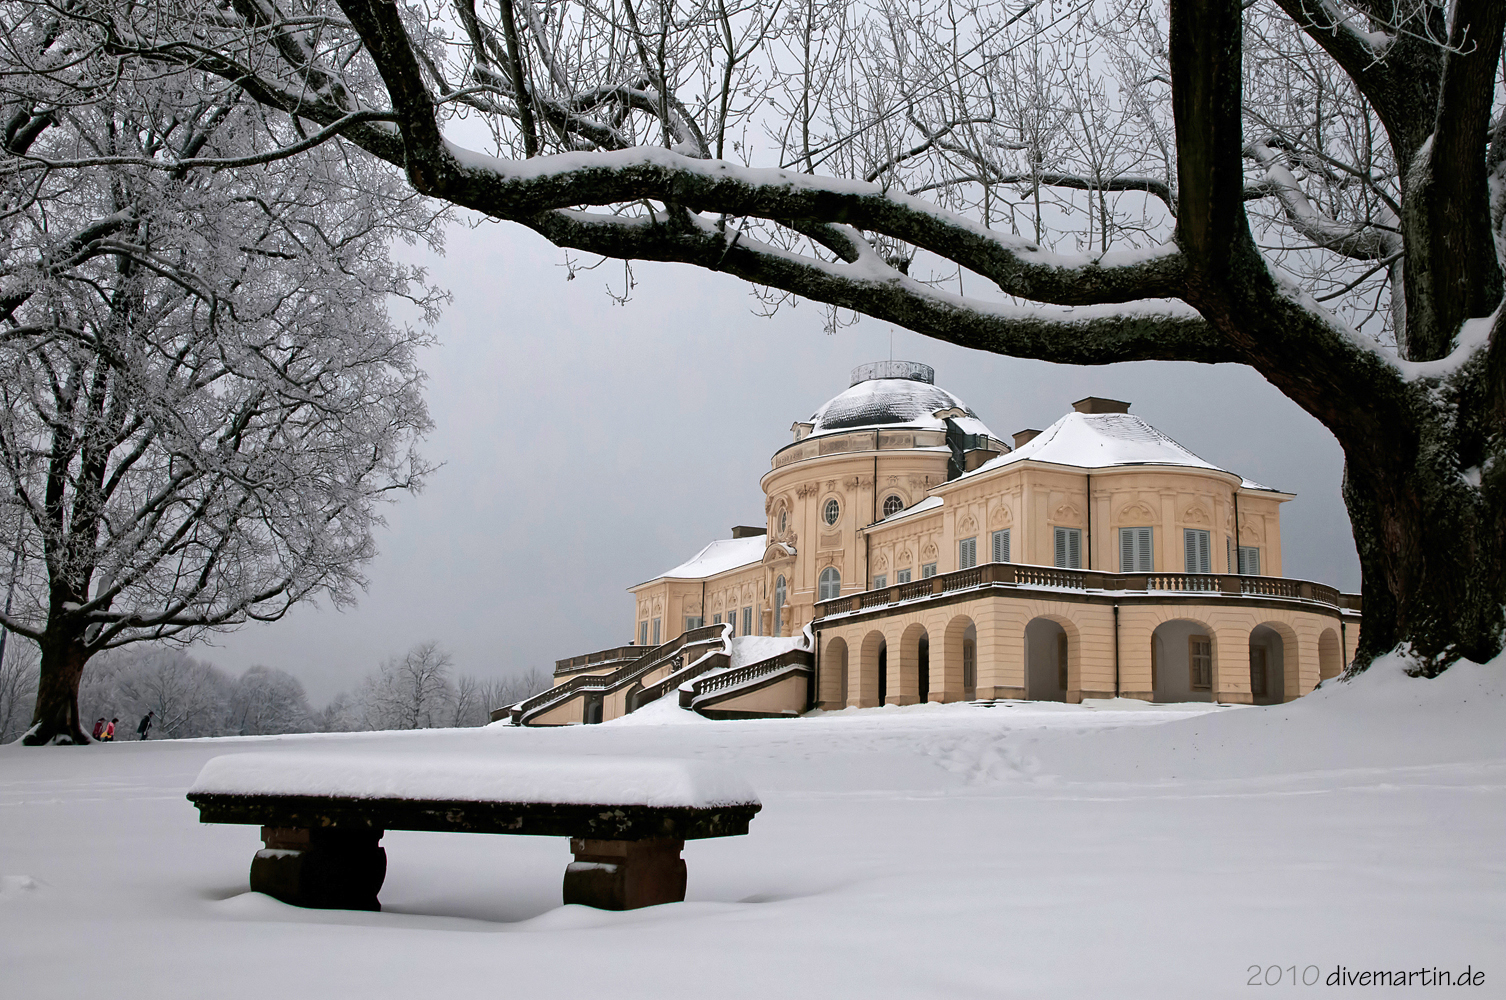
[[514, 688], [203, 397], [190, 697], [412, 691], [265, 701], [1322, 191], [18, 689]]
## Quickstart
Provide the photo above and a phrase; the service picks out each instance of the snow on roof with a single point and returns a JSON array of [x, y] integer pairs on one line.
[[720, 556], [929, 503], [593, 780], [1099, 441], [891, 402]]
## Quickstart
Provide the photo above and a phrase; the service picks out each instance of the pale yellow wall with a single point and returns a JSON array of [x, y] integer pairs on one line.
[[783, 697], [1000, 623], [1031, 499], [802, 488]]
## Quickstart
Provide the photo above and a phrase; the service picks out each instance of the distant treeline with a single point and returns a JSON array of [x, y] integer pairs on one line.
[[191, 697]]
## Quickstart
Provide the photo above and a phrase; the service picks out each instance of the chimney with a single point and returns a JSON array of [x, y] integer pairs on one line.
[[1022, 438], [747, 531], [1097, 404]]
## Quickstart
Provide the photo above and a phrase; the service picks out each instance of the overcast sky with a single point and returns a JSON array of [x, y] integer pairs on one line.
[[588, 446]]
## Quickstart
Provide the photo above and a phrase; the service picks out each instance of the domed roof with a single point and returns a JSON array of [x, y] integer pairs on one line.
[[894, 393]]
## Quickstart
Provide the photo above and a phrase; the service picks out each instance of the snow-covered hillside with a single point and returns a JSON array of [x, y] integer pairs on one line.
[[1108, 850]]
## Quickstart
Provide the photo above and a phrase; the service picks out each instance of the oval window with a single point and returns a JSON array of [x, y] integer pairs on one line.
[[833, 511], [893, 504]]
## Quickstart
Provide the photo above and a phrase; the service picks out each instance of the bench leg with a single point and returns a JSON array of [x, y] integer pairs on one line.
[[625, 874], [324, 868]]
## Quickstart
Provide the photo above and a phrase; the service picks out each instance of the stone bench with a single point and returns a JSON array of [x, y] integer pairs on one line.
[[322, 817]]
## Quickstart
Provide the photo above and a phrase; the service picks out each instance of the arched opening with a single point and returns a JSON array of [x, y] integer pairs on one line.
[[1047, 658], [830, 585], [834, 673], [912, 680], [872, 667], [923, 671], [957, 676], [1267, 666], [883, 674], [779, 593], [1330, 657], [1181, 661]]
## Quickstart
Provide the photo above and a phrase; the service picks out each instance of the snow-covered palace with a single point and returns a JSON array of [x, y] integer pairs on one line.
[[909, 554]]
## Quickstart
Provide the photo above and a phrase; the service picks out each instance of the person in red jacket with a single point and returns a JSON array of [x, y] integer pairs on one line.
[[99, 727], [109, 736]]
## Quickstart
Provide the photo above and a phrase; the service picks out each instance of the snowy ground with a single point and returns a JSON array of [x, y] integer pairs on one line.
[[1109, 850]]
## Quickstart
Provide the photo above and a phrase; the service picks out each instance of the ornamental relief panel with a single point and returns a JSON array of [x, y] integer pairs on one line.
[[805, 490], [928, 554], [1001, 517], [1249, 534], [882, 564], [1196, 514], [1136, 513], [967, 527], [1067, 513], [905, 559]]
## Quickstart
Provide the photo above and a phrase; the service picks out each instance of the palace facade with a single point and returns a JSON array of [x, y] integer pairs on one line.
[[924, 558]]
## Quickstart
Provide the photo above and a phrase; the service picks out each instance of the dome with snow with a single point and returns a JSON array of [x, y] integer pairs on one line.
[[894, 394]]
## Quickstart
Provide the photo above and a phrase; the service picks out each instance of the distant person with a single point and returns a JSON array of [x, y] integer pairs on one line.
[[99, 728], [109, 736], [146, 725]]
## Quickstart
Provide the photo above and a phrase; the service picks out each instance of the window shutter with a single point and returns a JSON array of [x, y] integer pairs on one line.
[[1126, 550], [1147, 559], [1234, 560], [1001, 546], [1204, 552], [1074, 548], [967, 553], [1189, 545], [1061, 547]]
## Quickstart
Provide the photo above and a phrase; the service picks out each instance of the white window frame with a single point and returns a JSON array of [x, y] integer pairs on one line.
[[1000, 541], [967, 552], [1199, 665], [1248, 560], [1137, 550], [1067, 548], [1197, 550]]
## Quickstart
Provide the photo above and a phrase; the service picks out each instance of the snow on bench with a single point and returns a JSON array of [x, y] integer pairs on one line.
[[323, 816]]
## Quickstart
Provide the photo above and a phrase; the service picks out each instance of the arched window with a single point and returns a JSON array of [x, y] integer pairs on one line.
[[831, 584], [833, 511], [784, 520], [779, 606], [893, 504]]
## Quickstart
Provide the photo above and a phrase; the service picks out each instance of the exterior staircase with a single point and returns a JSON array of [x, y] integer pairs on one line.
[[677, 666]]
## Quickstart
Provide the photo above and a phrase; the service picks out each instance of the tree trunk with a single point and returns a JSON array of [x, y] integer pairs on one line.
[[1429, 528], [56, 718]]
